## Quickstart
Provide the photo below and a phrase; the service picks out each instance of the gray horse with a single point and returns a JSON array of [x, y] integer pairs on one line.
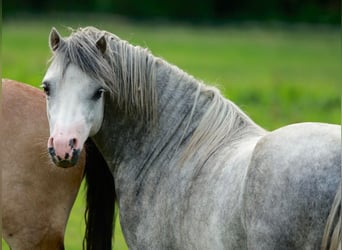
[[191, 170]]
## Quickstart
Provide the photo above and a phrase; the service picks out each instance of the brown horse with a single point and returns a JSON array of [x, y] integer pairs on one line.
[[36, 196]]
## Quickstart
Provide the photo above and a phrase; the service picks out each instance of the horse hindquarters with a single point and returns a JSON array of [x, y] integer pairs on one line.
[[291, 184]]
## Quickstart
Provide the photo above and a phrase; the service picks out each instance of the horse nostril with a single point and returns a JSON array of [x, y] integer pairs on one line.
[[73, 143]]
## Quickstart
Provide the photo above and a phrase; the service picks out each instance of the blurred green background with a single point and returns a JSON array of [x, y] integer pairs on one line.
[[280, 61]]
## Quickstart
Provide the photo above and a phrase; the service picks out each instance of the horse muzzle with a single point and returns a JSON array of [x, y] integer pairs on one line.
[[67, 161], [64, 149]]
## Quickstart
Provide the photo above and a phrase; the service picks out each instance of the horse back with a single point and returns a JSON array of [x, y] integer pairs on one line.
[[291, 184]]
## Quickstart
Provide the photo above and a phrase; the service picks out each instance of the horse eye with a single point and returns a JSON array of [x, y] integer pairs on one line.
[[46, 88], [98, 94]]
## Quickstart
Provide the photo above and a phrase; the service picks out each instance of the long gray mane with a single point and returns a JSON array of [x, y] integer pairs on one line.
[[129, 73]]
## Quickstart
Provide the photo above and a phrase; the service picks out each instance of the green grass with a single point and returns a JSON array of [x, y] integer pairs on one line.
[[276, 75]]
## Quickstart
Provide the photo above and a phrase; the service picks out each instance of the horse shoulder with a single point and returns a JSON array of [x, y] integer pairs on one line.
[[290, 184]]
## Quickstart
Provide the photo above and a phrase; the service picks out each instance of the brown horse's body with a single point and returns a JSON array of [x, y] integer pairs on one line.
[[36, 195]]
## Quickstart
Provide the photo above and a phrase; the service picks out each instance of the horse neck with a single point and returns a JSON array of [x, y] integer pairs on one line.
[[132, 148]]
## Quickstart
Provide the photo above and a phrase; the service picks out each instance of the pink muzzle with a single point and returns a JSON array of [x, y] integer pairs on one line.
[[63, 147]]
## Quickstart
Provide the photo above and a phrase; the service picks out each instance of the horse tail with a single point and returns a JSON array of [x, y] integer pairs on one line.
[[100, 201], [332, 232]]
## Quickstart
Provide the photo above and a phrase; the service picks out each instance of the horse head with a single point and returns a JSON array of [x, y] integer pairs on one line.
[[75, 101]]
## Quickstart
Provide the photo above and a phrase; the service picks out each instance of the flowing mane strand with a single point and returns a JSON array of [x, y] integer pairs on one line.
[[124, 70], [222, 123]]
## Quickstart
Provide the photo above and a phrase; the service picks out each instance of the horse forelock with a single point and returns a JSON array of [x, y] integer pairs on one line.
[[124, 70], [80, 49]]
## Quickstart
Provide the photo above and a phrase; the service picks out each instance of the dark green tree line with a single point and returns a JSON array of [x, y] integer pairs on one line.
[[323, 11]]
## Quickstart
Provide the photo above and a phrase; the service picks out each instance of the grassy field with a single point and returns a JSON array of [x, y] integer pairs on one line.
[[277, 75]]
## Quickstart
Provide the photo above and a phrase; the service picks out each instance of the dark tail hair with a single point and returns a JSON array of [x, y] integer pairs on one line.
[[100, 201], [332, 232]]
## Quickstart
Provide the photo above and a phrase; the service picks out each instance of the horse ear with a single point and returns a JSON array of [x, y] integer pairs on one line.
[[101, 44], [54, 39]]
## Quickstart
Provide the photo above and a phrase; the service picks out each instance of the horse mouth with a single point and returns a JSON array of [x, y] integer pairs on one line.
[[67, 162]]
